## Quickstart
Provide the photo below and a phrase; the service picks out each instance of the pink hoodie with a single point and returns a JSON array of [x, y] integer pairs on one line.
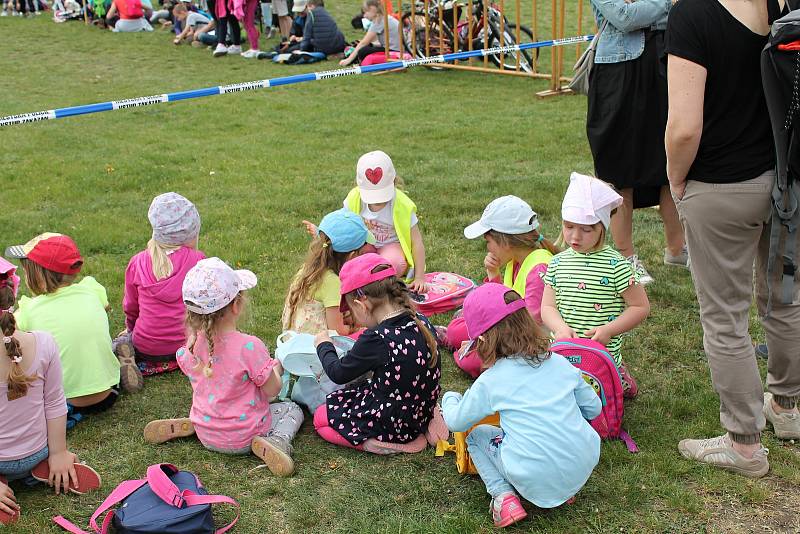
[[154, 310]]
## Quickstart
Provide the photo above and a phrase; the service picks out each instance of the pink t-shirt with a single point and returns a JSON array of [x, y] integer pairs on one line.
[[23, 421], [229, 409]]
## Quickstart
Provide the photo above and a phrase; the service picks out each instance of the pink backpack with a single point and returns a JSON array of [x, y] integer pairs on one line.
[[166, 501], [446, 292], [600, 372]]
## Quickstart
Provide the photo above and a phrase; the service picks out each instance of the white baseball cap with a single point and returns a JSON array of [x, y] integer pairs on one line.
[[211, 285], [375, 176], [299, 6], [507, 215], [589, 201]]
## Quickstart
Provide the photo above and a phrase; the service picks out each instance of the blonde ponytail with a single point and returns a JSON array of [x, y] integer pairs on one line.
[[159, 256]]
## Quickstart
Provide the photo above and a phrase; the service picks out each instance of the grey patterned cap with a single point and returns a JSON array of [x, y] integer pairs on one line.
[[174, 219]]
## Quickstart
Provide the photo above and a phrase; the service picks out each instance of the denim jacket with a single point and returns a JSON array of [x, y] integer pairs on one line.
[[623, 38]]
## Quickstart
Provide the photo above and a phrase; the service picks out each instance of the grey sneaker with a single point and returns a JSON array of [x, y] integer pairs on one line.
[[276, 453], [644, 276], [719, 452], [786, 425], [681, 260]]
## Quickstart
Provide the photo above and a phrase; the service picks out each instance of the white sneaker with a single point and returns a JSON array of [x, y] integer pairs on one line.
[[251, 54], [269, 34], [786, 424], [644, 276], [221, 50], [234, 50], [3, 14]]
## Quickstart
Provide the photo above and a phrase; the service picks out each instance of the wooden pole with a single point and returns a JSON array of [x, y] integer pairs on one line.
[[535, 31], [580, 29], [470, 22], [485, 33], [441, 25], [427, 29], [386, 30], [502, 31], [553, 53], [562, 18]]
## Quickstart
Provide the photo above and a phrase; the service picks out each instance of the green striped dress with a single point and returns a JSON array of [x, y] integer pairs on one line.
[[589, 289]]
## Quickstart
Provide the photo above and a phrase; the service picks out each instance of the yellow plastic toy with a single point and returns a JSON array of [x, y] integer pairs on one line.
[[459, 446]]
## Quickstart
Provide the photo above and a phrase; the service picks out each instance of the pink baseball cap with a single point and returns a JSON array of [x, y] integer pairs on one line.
[[360, 271], [8, 275], [485, 306], [375, 176]]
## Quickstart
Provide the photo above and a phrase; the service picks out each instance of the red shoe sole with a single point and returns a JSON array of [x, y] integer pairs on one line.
[[88, 478]]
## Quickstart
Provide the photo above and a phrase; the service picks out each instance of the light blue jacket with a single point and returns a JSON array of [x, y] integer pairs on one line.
[[549, 449], [623, 38]]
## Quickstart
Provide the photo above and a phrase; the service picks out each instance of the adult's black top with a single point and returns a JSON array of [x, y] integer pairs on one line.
[[736, 143]]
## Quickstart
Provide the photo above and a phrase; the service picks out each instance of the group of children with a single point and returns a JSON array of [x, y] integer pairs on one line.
[[364, 263]]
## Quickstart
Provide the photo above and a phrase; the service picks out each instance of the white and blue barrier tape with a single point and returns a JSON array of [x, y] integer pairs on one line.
[[61, 113]]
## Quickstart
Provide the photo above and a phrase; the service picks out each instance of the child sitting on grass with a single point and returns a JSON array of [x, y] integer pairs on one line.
[[153, 303], [517, 256], [546, 449], [33, 411], [312, 303], [232, 375], [191, 21], [395, 410], [591, 290], [74, 314]]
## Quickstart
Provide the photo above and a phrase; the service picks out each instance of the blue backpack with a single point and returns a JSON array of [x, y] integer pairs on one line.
[[168, 501]]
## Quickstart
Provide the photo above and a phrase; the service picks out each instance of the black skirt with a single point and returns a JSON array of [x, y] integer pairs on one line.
[[626, 119]]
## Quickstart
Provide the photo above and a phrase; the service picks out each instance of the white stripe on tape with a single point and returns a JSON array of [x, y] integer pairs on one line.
[[423, 61], [325, 74], [500, 49], [244, 86], [140, 101], [23, 118]]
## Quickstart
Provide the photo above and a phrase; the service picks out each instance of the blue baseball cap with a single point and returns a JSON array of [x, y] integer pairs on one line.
[[346, 230]]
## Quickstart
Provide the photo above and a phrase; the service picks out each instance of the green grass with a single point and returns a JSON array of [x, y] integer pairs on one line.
[[256, 164]]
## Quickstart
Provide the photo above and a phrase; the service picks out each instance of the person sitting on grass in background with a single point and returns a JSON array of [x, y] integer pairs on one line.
[[517, 257], [395, 410], [191, 22], [153, 302], [320, 34], [390, 215], [591, 290], [546, 449], [232, 375], [373, 11], [33, 410], [132, 16], [312, 303], [75, 315]]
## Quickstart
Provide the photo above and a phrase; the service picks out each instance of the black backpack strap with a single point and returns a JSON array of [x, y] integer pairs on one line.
[[773, 11]]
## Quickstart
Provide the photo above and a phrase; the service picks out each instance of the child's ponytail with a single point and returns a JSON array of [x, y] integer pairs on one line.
[[159, 257], [529, 240], [17, 379]]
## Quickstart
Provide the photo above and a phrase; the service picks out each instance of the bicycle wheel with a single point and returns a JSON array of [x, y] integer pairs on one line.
[[435, 40], [508, 38]]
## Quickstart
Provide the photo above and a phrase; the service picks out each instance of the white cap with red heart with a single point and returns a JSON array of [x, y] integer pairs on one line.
[[375, 176]]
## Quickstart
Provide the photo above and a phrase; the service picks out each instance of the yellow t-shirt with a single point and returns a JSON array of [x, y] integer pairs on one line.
[[328, 291], [76, 318], [310, 316]]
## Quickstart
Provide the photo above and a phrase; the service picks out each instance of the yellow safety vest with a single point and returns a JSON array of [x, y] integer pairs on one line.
[[536, 257], [401, 215]]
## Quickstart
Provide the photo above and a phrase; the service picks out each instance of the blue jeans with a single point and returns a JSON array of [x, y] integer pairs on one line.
[[21, 469], [483, 445]]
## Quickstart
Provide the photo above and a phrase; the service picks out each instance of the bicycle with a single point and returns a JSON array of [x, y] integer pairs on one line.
[[435, 38]]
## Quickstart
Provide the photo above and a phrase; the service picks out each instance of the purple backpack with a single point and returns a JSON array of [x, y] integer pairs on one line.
[[600, 372]]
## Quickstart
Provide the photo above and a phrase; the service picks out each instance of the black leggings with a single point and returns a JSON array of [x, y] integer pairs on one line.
[[222, 29], [369, 49], [99, 407]]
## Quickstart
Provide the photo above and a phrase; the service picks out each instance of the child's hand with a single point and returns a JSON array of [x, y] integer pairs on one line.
[[321, 338], [8, 503], [347, 319], [176, 41], [564, 333], [492, 265], [311, 228], [418, 286], [62, 470], [599, 334], [346, 61]]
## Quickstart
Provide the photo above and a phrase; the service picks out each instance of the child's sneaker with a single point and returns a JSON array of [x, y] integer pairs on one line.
[[786, 425], [88, 479], [251, 54], [630, 389], [235, 50], [130, 377], [382, 447], [162, 430], [719, 452], [441, 336], [638, 266], [220, 50], [276, 453], [437, 429], [507, 510]]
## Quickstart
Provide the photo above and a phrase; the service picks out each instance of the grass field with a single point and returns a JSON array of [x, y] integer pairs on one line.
[[256, 164]]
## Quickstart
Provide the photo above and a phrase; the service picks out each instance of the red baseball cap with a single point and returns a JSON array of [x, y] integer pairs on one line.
[[360, 271], [54, 252]]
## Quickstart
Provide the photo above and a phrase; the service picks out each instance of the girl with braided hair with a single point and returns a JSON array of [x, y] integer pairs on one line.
[[395, 410], [33, 410], [232, 375]]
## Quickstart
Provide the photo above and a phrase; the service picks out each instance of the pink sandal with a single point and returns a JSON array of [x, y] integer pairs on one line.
[[88, 479]]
